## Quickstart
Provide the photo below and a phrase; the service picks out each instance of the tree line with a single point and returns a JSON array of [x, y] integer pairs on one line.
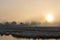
[[8, 25]]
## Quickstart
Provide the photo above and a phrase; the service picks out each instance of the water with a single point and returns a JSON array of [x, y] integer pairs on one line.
[[12, 38]]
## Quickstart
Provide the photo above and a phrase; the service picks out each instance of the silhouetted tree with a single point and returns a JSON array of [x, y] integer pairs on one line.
[[21, 23], [14, 23], [33, 23], [6, 23]]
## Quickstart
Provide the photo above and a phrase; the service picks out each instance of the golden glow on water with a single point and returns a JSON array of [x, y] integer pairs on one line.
[[12, 38]]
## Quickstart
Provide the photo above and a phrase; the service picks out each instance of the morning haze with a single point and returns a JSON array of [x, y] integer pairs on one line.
[[26, 19], [28, 10]]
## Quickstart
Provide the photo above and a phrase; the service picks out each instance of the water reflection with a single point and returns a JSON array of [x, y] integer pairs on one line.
[[12, 38]]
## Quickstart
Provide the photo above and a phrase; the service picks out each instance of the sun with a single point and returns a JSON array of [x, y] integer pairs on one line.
[[49, 18]]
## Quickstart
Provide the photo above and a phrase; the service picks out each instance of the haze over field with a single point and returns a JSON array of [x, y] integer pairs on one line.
[[29, 10], [33, 19]]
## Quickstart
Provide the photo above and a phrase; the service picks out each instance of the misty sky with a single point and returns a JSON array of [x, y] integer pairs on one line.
[[28, 10]]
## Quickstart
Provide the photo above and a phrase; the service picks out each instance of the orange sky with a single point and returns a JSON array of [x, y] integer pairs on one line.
[[26, 10]]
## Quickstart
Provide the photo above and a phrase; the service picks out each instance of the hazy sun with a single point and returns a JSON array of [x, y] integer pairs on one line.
[[49, 18]]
